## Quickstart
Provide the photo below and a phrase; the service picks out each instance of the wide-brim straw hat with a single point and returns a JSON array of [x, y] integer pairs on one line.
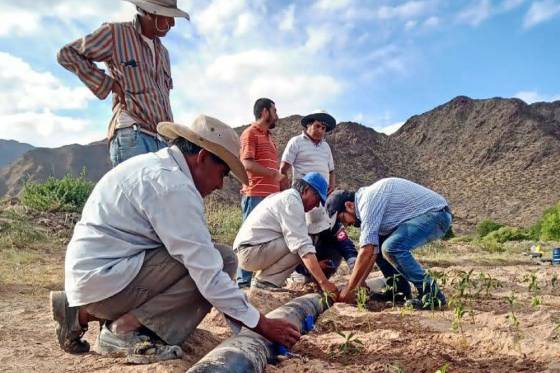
[[166, 8], [213, 135], [322, 117]]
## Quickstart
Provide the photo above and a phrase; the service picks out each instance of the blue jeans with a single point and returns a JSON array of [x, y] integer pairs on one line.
[[248, 203], [397, 249], [128, 142]]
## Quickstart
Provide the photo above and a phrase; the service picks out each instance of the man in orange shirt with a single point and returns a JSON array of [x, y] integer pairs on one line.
[[260, 158]]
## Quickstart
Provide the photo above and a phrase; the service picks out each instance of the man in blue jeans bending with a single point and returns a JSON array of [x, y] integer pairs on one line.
[[395, 217]]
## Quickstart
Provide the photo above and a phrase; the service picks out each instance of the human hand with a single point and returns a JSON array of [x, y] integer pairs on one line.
[[347, 296], [331, 289], [330, 190], [278, 330], [119, 94]]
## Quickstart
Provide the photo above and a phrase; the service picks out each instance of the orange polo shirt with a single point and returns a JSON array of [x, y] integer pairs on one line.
[[257, 144]]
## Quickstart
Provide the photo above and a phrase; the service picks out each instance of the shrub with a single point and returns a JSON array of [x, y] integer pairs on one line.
[[505, 234], [223, 220], [548, 226], [492, 246], [486, 226], [66, 194]]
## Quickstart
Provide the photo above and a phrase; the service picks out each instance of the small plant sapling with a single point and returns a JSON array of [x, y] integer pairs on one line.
[[362, 297], [351, 344], [511, 315], [443, 368], [393, 287]]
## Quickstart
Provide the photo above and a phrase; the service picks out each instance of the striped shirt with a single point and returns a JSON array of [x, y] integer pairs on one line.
[[129, 61], [385, 204], [305, 156], [257, 144]]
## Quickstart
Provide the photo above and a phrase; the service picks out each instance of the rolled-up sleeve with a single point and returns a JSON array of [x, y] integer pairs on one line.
[[80, 56], [294, 229], [177, 216]]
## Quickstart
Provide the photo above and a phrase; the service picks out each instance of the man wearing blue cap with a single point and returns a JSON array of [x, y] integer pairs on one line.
[[273, 240]]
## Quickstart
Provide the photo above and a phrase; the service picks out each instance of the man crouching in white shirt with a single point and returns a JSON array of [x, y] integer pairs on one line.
[[273, 240], [142, 259]]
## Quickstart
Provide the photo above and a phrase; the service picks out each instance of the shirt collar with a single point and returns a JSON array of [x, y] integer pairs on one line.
[[306, 137], [180, 159], [260, 129]]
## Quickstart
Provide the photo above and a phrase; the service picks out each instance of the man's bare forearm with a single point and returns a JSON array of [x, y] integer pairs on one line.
[[254, 167], [362, 268]]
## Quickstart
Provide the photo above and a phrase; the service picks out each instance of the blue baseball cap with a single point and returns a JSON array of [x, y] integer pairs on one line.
[[318, 183]]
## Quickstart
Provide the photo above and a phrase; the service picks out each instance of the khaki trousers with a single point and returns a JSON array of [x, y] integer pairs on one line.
[[272, 261], [163, 297]]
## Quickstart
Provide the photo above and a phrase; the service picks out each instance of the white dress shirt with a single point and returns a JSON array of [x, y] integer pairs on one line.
[[144, 203], [278, 215]]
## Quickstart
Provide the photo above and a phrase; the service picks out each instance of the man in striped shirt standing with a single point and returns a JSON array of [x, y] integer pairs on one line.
[[260, 159], [138, 74], [395, 216]]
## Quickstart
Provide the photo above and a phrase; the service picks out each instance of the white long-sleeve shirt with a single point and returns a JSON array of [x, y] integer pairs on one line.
[[145, 203], [278, 215]]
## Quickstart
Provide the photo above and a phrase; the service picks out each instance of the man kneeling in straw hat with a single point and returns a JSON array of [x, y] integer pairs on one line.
[[142, 258], [273, 240]]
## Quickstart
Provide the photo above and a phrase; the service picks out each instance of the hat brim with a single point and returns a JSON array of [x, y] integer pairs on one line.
[[172, 131], [160, 10], [328, 119]]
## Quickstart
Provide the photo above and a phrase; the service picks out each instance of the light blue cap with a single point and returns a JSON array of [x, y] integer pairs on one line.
[[317, 182]]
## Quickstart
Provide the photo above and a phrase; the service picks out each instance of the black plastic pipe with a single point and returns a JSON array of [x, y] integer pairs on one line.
[[249, 351]]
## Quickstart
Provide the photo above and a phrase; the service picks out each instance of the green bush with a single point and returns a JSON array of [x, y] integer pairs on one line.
[[548, 226], [492, 246], [66, 194], [486, 226], [223, 220], [505, 234]]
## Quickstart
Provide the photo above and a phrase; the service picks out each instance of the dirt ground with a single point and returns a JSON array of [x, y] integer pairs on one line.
[[385, 339]]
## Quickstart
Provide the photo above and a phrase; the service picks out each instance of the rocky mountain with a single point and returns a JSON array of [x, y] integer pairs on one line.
[[497, 158], [494, 158], [40, 163], [10, 150]]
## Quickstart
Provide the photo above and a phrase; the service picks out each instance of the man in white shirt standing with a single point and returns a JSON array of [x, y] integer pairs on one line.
[[273, 240], [309, 152], [141, 256]]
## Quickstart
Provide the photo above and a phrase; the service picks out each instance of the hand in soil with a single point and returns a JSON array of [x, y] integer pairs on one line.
[[347, 296]]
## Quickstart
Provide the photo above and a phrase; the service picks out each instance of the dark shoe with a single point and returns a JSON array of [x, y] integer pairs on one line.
[[417, 304], [265, 285], [387, 296], [137, 347], [68, 329]]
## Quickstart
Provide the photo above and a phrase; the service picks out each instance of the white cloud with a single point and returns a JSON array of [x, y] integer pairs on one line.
[[18, 23], [533, 96], [476, 14], [47, 129], [228, 86], [218, 16], [318, 38], [24, 89], [390, 129], [330, 5], [407, 10], [288, 19], [541, 11], [432, 22], [507, 5], [409, 25]]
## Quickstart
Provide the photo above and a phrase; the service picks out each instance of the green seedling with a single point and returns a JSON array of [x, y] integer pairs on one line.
[[511, 316], [459, 311], [395, 368], [531, 278], [327, 299], [443, 368], [361, 299], [351, 344], [393, 288], [430, 291], [489, 283], [463, 283], [535, 301]]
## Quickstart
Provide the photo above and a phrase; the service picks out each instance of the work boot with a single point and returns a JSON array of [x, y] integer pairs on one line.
[[68, 329], [137, 347]]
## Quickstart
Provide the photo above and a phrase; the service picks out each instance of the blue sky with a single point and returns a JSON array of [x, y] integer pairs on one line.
[[373, 61]]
